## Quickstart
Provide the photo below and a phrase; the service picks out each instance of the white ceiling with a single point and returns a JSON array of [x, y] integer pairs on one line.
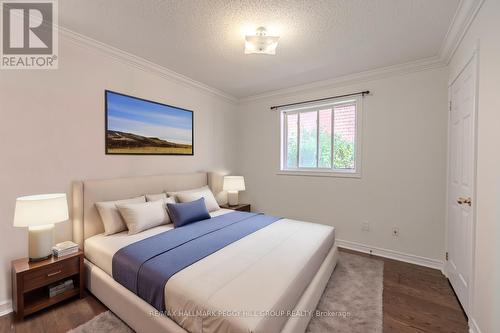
[[320, 39]]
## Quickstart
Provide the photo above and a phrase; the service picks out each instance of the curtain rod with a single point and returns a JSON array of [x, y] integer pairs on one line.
[[362, 93]]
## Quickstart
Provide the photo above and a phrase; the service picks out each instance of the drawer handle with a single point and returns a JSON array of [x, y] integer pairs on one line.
[[52, 274]]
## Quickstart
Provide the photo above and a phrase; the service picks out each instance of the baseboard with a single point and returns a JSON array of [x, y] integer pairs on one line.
[[5, 307], [473, 328], [391, 254]]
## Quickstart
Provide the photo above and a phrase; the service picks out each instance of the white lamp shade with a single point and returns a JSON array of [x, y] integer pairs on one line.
[[35, 210], [234, 183]]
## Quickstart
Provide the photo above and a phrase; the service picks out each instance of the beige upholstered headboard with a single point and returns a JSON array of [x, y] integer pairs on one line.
[[86, 219]]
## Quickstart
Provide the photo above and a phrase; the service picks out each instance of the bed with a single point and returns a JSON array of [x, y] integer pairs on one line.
[[268, 281]]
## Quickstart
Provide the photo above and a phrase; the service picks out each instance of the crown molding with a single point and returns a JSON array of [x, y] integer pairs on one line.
[[462, 20], [370, 75], [141, 63]]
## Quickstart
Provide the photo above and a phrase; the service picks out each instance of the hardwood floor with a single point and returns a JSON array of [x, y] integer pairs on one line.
[[416, 299], [419, 299]]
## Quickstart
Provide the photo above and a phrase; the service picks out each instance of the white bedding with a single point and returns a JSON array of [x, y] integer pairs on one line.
[[100, 249], [240, 287]]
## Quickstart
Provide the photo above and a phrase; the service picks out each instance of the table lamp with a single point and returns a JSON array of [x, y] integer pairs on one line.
[[39, 213], [233, 184]]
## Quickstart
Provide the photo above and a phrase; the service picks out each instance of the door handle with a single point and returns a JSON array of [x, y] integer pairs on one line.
[[464, 201]]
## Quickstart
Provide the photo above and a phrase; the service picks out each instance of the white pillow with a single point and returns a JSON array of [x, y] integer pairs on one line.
[[166, 201], [110, 216], [142, 216], [155, 197], [195, 194]]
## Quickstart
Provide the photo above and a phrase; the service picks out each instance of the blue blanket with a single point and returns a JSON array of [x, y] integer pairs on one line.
[[145, 267]]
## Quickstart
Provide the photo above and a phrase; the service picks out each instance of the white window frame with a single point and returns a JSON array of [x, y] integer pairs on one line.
[[328, 172]]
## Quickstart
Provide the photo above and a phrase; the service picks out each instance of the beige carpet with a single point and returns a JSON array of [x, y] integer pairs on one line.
[[352, 300], [351, 303], [103, 323]]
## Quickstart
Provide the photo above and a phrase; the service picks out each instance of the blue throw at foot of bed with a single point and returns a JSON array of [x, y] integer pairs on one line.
[[144, 267]]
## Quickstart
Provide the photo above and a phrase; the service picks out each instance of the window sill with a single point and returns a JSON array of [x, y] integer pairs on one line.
[[319, 174]]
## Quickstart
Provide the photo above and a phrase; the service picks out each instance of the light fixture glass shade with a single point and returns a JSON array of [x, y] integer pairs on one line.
[[234, 183], [260, 43], [36, 210]]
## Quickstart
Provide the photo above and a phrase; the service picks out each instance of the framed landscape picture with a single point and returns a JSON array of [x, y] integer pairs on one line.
[[135, 126]]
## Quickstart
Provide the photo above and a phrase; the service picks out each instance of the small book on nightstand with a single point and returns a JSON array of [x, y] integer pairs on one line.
[[64, 249], [60, 287]]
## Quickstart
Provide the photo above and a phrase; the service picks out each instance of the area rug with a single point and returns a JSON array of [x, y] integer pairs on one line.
[[103, 323], [351, 302]]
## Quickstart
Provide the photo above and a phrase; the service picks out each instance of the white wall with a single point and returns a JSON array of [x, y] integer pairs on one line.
[[52, 132], [485, 29], [404, 166]]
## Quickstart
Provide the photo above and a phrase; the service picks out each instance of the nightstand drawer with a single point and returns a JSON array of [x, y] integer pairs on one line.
[[46, 275]]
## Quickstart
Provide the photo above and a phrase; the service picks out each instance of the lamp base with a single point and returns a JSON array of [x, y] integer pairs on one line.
[[41, 240], [232, 198], [40, 259]]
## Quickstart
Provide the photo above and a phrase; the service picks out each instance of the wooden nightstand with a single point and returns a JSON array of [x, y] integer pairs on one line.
[[240, 207], [30, 281]]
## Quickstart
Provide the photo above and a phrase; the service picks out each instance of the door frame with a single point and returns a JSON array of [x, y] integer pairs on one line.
[[474, 59]]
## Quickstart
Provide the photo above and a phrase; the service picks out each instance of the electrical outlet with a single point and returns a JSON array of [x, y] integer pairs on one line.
[[365, 226], [395, 232]]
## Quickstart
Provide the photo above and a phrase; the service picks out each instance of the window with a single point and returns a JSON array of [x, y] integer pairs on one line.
[[322, 139]]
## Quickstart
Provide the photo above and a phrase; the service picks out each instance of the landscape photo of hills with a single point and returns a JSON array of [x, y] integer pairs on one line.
[[137, 126]]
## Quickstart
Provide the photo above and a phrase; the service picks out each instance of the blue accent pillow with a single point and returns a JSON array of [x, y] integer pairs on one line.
[[188, 212]]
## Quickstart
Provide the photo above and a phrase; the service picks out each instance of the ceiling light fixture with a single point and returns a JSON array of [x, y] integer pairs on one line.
[[260, 43]]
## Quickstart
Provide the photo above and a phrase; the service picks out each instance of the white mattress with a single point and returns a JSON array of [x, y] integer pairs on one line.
[[248, 286]]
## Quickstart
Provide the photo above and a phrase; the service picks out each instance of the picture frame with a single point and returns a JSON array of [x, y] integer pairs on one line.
[[137, 126]]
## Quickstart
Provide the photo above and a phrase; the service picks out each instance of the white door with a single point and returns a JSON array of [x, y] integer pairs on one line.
[[461, 179]]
